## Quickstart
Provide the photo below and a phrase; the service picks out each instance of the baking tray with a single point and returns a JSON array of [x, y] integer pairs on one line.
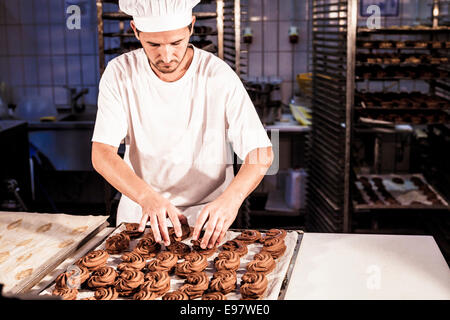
[[405, 193], [33, 244], [278, 279]]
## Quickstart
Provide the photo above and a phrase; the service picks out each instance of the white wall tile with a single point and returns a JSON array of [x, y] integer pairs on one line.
[[72, 41], [44, 71], [270, 35], [12, 13], [300, 62], [14, 46], [88, 69], [30, 70], [283, 36], [26, 11], [4, 69], [285, 65], [42, 34], [270, 8], [2, 11], [57, 34], [59, 70], [257, 36], [286, 10], [16, 71], [41, 11], [270, 63], [3, 39], [61, 96], [255, 66], [29, 41], [73, 70], [255, 10]]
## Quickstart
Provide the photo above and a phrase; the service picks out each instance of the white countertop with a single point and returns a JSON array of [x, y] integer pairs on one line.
[[366, 266]]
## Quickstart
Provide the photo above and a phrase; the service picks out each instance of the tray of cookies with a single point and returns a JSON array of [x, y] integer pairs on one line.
[[130, 265], [396, 191]]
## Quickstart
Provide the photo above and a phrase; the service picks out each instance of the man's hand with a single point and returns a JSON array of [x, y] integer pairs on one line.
[[156, 208], [219, 215]]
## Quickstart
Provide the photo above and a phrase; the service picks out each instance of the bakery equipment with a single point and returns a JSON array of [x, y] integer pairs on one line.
[[33, 244], [348, 63], [218, 30], [278, 279]]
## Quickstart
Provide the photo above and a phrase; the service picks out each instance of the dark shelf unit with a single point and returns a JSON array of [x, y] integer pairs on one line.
[[226, 33], [331, 190]]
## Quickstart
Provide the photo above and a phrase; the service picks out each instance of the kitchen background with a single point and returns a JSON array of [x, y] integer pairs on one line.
[[40, 56], [44, 64]]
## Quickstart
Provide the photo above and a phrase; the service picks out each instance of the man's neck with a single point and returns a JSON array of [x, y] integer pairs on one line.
[[181, 70]]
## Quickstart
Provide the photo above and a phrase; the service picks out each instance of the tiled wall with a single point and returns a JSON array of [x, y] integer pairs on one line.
[[271, 53], [40, 56]]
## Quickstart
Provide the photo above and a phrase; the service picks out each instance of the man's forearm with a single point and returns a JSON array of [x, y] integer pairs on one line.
[[250, 174], [114, 169]]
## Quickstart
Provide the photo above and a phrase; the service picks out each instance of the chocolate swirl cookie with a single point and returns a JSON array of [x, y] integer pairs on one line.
[[195, 285], [214, 296], [227, 260], [185, 233], [145, 294], [193, 262], [157, 282], [117, 243], [175, 295], [66, 293], [223, 281], [262, 262], [237, 246], [94, 260], [206, 252], [109, 293], [129, 282], [131, 230], [72, 278], [165, 261], [179, 248], [253, 285], [274, 233], [147, 247], [274, 246], [131, 260], [103, 277], [249, 236]]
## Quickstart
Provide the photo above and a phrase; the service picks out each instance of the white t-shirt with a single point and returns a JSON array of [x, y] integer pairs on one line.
[[177, 134]]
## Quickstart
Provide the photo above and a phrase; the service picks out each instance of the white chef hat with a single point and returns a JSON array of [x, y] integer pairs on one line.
[[159, 15]]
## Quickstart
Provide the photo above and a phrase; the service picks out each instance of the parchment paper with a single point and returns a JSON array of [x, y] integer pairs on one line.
[[31, 241]]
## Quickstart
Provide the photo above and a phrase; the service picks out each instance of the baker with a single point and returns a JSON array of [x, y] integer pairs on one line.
[[178, 109]]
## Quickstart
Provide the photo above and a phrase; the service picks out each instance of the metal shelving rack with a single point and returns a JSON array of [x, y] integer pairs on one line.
[[227, 34], [328, 189], [233, 51], [336, 37]]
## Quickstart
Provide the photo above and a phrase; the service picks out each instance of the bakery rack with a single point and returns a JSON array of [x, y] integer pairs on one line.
[[347, 62], [217, 30]]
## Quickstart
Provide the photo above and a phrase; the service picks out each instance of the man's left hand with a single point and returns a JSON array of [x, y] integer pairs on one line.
[[218, 215]]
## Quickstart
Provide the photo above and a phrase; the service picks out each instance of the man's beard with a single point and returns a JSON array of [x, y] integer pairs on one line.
[[162, 69], [166, 70]]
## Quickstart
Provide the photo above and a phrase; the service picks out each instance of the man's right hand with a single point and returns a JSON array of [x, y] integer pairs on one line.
[[156, 208]]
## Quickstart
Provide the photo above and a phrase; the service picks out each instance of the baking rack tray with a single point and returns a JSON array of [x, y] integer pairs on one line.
[[405, 193], [278, 279]]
